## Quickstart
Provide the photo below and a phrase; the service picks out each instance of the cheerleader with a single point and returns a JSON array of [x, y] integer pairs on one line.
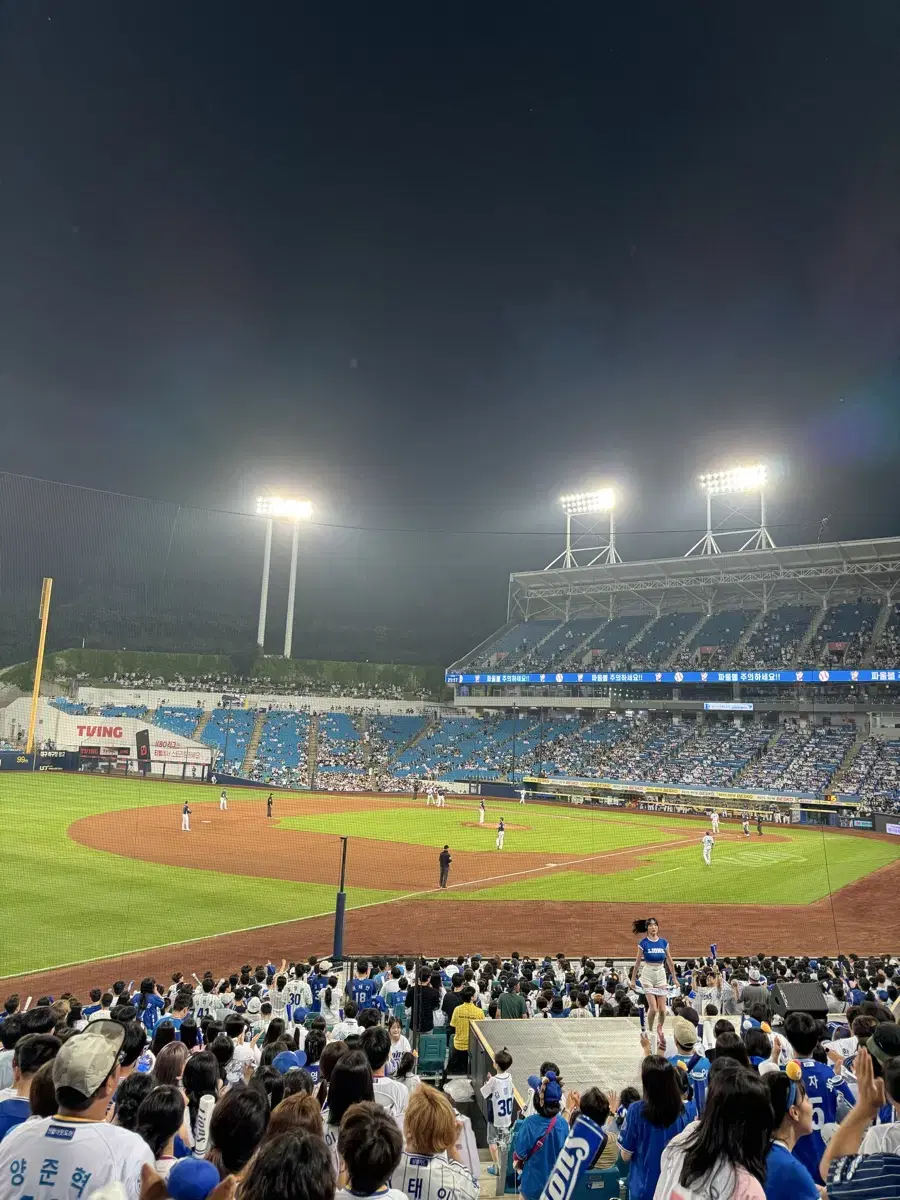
[[652, 963]]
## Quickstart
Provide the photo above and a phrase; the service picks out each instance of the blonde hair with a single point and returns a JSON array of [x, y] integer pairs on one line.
[[430, 1122], [295, 1114]]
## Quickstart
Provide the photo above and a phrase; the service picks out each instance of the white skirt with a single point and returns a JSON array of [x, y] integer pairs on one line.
[[653, 979]]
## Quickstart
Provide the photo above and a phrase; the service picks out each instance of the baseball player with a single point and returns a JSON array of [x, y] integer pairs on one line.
[[501, 833], [714, 817], [759, 824], [745, 824], [481, 813], [186, 818], [429, 795], [708, 843], [522, 794], [269, 803], [223, 801]]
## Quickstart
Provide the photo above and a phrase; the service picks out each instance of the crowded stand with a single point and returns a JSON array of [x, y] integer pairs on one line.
[[775, 640], [844, 633], [659, 641], [299, 684], [887, 652], [639, 642], [802, 760], [713, 645], [341, 750], [874, 775], [282, 756], [305, 1079]]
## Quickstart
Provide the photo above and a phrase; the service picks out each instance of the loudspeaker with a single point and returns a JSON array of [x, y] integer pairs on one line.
[[799, 997], [142, 740]]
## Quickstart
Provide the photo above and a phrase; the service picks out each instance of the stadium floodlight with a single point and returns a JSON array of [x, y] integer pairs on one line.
[[280, 508], [582, 503], [736, 481], [585, 511]]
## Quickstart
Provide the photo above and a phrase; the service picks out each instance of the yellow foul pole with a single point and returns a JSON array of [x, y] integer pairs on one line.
[[39, 665]]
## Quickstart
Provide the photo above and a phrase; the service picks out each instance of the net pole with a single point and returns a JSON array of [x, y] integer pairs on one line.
[[46, 589]]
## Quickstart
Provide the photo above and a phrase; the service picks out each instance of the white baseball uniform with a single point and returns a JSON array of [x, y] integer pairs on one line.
[[708, 844]]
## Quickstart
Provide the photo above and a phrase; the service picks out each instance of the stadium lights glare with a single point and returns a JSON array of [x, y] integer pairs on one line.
[[738, 479], [581, 503], [278, 507]]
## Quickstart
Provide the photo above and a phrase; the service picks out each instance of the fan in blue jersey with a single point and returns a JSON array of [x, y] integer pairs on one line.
[[318, 982], [361, 989], [696, 1064], [822, 1087], [149, 1003], [786, 1176]]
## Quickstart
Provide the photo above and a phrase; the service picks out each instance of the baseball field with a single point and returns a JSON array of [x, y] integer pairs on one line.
[[99, 869]]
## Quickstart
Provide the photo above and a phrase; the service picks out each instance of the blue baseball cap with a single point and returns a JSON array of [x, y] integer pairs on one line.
[[287, 1060], [192, 1179], [552, 1092]]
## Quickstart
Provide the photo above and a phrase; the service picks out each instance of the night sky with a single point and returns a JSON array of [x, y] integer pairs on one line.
[[433, 265]]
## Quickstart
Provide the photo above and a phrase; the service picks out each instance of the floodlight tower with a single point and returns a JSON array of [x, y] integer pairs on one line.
[[723, 486], [275, 508], [585, 513]]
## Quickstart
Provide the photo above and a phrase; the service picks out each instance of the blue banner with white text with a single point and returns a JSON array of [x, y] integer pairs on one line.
[[677, 678]]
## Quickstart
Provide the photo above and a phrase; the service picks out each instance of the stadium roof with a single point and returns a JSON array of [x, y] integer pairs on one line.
[[832, 571]]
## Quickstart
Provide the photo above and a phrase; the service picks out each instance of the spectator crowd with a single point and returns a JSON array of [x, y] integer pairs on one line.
[[300, 1080]]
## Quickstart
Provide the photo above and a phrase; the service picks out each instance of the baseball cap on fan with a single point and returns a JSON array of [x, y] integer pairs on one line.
[[87, 1058], [552, 1092], [755, 975]]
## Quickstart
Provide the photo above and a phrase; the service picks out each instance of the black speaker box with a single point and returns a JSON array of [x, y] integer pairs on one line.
[[799, 997]]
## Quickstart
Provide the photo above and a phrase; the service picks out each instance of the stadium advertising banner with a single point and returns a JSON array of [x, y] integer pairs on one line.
[[727, 706], [678, 677], [46, 760]]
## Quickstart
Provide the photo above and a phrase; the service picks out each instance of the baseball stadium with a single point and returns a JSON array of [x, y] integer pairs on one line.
[[711, 737]]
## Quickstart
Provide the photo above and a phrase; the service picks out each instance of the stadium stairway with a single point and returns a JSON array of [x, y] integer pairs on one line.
[[806, 641], [426, 731], [877, 633], [313, 748], [681, 652], [253, 744], [630, 645], [751, 628], [848, 759], [197, 735], [767, 749], [583, 646]]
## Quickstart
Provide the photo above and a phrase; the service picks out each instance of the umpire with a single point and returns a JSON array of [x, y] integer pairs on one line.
[[445, 860]]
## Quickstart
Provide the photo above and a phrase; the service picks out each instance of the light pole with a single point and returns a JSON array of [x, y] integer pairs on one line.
[[585, 540], [295, 511], [264, 590], [722, 486]]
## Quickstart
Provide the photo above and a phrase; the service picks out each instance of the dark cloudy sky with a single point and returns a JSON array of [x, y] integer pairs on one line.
[[433, 264]]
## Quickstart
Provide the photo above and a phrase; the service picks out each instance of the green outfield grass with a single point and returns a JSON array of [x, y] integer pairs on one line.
[[65, 903], [761, 871], [547, 829]]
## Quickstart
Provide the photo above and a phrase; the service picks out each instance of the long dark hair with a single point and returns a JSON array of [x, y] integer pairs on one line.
[[643, 924], [159, 1116], [351, 1082], [735, 1128], [200, 1078], [663, 1101]]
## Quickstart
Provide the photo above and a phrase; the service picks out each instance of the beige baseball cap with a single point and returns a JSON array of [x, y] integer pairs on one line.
[[86, 1059]]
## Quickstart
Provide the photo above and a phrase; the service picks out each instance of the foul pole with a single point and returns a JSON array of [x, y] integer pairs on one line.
[[39, 664]]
